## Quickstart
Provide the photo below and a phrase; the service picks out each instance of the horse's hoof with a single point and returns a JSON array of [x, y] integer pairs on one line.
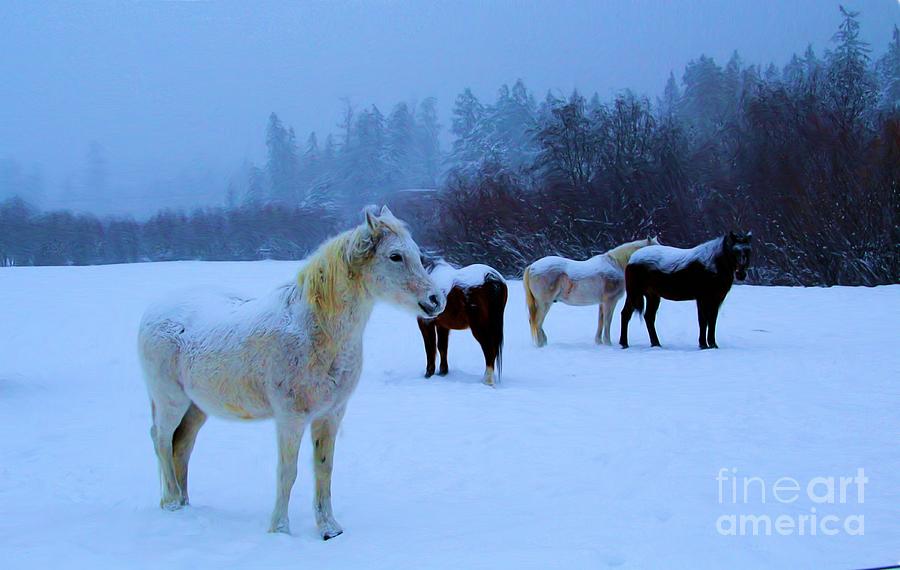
[[429, 373], [173, 504], [330, 529], [624, 346], [328, 535], [281, 527], [443, 372]]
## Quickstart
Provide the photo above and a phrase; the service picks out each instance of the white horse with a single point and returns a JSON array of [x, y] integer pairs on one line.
[[294, 355], [600, 279]]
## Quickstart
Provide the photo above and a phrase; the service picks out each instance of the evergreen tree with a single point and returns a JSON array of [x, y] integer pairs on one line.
[[363, 165], [467, 114], [310, 165], [401, 152], [671, 98], [794, 73], [427, 135], [594, 104], [256, 186], [510, 124], [466, 126], [704, 101], [282, 165], [888, 68], [851, 90]]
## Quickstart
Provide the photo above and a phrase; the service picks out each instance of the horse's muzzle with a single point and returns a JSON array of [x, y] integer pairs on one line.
[[433, 307]]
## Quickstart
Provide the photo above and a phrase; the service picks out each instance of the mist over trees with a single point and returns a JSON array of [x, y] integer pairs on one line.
[[377, 155], [807, 156]]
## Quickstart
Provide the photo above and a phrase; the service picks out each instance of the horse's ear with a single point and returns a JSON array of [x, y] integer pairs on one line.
[[750, 235], [371, 219], [385, 211]]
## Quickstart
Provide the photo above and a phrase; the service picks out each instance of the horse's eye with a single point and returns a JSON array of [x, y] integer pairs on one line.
[[396, 257]]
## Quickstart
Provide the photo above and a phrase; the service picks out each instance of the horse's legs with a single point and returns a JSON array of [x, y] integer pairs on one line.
[[598, 338], [541, 310], [168, 412], [650, 318], [183, 443], [443, 339], [537, 312], [627, 309], [489, 346], [702, 319], [428, 337], [290, 432], [608, 313], [324, 431], [712, 313]]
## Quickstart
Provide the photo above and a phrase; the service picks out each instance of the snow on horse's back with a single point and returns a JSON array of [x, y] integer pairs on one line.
[[598, 280]]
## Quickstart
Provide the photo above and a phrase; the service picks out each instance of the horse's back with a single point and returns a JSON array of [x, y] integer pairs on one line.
[[552, 264], [670, 259], [201, 340], [189, 312], [576, 282], [472, 292], [678, 275]]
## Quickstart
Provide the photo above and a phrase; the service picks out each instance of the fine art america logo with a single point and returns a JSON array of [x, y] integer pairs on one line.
[[748, 498]]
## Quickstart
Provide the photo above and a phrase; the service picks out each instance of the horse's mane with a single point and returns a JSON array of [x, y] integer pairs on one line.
[[334, 272], [622, 253]]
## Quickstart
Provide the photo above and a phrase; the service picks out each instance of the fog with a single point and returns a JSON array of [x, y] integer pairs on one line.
[[171, 98]]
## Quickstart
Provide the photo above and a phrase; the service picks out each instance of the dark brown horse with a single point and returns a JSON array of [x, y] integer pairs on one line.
[[704, 273], [476, 300]]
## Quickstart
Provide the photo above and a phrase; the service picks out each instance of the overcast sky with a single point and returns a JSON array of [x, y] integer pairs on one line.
[[165, 86]]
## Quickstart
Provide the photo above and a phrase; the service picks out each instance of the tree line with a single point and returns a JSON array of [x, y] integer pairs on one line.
[[807, 156]]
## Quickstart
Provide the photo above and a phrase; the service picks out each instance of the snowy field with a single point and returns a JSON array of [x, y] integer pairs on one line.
[[586, 456]]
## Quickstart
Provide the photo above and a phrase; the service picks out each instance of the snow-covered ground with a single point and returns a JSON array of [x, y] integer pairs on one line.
[[585, 457]]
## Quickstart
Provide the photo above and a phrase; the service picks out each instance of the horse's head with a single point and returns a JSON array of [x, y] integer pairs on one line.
[[396, 271], [738, 248]]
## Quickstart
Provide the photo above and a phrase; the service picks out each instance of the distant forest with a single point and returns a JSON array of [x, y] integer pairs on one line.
[[807, 156]]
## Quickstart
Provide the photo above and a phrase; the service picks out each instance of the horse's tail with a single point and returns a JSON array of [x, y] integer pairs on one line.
[[530, 301], [634, 295], [637, 301], [496, 310]]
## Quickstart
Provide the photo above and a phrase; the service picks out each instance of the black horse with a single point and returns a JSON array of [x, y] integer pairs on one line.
[[704, 273]]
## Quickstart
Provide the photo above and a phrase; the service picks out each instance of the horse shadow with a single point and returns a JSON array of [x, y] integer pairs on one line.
[[454, 377], [457, 376], [579, 346]]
